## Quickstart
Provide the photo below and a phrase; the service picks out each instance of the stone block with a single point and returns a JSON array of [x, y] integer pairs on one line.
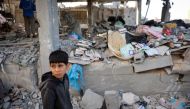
[[112, 99], [91, 100], [130, 98]]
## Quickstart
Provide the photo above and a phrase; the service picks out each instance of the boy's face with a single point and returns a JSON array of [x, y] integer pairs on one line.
[[59, 69]]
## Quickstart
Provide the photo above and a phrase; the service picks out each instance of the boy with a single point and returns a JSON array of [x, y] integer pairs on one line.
[[55, 84]]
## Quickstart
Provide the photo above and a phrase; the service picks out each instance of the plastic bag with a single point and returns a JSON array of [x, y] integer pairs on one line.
[[76, 79]]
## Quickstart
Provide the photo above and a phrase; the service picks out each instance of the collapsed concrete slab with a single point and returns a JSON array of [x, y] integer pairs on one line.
[[91, 100], [101, 77], [153, 63]]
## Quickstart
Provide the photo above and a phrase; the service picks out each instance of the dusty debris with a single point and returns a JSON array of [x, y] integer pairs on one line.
[[23, 55], [21, 98], [89, 103], [112, 99], [129, 98]]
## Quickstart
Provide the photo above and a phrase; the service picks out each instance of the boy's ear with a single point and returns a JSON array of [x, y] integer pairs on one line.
[[68, 67]]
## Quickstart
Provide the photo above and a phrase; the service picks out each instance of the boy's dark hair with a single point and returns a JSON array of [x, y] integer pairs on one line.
[[58, 56]]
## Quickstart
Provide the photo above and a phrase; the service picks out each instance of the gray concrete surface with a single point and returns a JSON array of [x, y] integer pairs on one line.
[[118, 76], [112, 99]]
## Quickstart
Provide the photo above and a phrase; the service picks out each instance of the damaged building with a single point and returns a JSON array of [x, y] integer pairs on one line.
[[118, 58]]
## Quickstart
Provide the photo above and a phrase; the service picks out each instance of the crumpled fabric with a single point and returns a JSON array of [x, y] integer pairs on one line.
[[147, 30], [2, 19], [76, 80]]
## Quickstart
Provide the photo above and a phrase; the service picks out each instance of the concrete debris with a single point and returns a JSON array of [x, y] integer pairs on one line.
[[3, 91], [21, 98], [2, 57], [76, 102], [79, 61], [129, 98], [112, 99], [84, 53], [6, 105], [11, 36], [24, 99], [6, 99], [153, 63], [89, 103], [23, 56]]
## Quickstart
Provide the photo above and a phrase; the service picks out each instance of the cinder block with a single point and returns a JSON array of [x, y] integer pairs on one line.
[[112, 99], [151, 63]]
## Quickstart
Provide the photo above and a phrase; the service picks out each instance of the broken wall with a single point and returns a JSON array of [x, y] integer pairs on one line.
[[19, 64]]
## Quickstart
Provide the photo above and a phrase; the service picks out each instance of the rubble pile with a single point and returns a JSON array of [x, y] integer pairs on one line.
[[23, 54], [20, 98], [128, 100]]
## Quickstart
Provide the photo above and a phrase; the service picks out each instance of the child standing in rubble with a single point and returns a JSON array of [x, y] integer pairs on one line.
[[55, 84], [28, 7]]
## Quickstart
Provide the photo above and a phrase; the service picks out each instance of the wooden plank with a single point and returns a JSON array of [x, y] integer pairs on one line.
[[176, 49]]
